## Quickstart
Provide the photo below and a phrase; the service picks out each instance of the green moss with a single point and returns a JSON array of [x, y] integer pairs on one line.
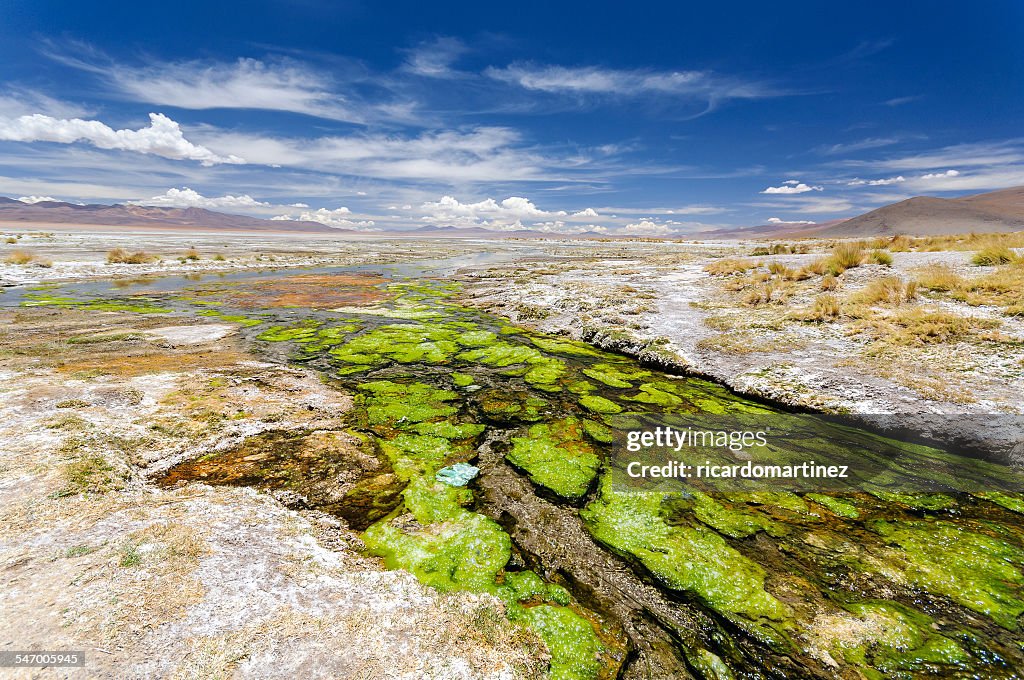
[[691, 559], [599, 404], [466, 551], [138, 306], [733, 523], [555, 457], [404, 344], [835, 505], [462, 379], [565, 347], [448, 429], [650, 394], [975, 570], [240, 319], [401, 404], [598, 432], [615, 376], [892, 640], [574, 646], [1012, 502]]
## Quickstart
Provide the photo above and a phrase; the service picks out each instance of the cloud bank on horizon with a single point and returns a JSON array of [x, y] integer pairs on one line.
[[668, 122]]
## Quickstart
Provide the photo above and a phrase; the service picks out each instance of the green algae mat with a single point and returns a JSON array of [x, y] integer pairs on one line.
[[752, 584]]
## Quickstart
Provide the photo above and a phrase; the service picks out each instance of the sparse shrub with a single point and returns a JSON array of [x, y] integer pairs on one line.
[[881, 257], [11, 239], [825, 307], [845, 256], [218, 257], [829, 282], [899, 244], [994, 254], [760, 251], [191, 254], [122, 256], [939, 277], [888, 290], [729, 265], [20, 257]]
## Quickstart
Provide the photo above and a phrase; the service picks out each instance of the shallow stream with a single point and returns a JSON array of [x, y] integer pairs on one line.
[[753, 584]]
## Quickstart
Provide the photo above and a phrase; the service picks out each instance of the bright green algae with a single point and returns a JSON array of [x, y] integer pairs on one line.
[[556, 456]]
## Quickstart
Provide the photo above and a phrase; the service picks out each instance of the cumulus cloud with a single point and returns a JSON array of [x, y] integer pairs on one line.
[[647, 228], [188, 198], [791, 186], [162, 138], [586, 212], [511, 209], [36, 199], [339, 218], [856, 182], [941, 175]]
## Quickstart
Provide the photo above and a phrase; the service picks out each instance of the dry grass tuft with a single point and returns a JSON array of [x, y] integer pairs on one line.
[[881, 257], [940, 277], [122, 256], [729, 265], [20, 257], [993, 255], [889, 290], [191, 254]]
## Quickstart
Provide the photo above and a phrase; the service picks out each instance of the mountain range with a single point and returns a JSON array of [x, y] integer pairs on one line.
[[995, 211]]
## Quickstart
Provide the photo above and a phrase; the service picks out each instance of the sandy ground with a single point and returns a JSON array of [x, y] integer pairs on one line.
[[196, 582]]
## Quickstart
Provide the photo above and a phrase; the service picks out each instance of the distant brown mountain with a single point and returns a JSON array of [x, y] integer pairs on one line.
[[995, 211], [125, 215]]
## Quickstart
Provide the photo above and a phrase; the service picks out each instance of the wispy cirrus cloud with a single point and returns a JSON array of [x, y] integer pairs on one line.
[[246, 83], [163, 137], [434, 58], [860, 145], [593, 80]]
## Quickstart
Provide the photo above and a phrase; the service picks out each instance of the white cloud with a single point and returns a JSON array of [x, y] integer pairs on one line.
[[451, 156], [434, 58], [19, 102], [36, 199], [810, 205], [188, 198], [283, 85], [339, 217], [587, 212], [778, 220], [862, 145], [488, 211], [941, 175], [876, 182], [298, 205], [646, 228], [592, 80], [162, 138], [791, 186]]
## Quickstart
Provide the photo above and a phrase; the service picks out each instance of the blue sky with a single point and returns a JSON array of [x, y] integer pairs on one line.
[[624, 118]]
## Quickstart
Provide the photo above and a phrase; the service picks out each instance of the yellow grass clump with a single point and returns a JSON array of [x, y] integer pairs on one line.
[[122, 256]]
